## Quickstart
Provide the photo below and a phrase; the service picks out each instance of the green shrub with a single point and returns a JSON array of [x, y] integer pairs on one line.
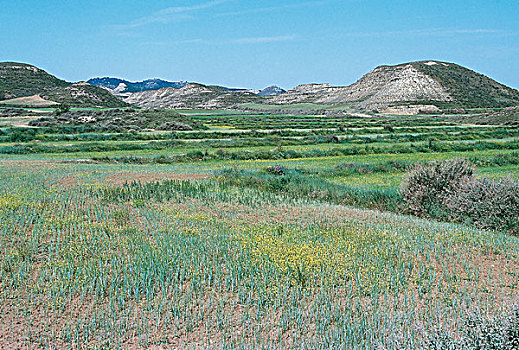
[[427, 188], [488, 204], [448, 190], [62, 108]]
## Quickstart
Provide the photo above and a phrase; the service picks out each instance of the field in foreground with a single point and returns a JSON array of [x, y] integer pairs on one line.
[[183, 258]]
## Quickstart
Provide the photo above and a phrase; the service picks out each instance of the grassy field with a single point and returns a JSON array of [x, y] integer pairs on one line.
[[184, 239]]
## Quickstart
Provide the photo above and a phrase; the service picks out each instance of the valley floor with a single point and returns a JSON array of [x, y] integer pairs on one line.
[[100, 250]]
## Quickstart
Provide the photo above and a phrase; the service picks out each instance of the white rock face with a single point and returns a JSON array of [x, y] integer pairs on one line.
[[381, 87], [412, 110], [87, 119], [386, 85], [121, 88], [434, 63]]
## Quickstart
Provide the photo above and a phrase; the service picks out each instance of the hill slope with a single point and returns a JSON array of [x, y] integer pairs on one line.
[[22, 80], [191, 96], [507, 116], [425, 82]]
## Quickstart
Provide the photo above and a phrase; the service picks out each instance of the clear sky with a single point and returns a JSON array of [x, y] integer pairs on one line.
[[246, 43]]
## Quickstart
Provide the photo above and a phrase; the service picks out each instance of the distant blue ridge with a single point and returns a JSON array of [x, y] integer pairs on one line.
[[146, 85]]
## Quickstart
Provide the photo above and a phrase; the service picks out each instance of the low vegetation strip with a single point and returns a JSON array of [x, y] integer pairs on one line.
[[82, 132], [118, 120], [280, 153], [294, 184]]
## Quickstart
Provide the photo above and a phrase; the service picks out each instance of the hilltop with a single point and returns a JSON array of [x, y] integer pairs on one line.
[[434, 83], [23, 80]]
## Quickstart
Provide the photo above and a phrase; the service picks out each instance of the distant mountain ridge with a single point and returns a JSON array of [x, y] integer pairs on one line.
[[124, 88], [145, 85], [23, 80]]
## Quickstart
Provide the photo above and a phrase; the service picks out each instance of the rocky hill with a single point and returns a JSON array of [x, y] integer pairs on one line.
[[192, 96], [434, 83], [23, 80]]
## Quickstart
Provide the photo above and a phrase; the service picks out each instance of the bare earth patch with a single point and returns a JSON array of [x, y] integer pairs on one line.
[[120, 179], [33, 101]]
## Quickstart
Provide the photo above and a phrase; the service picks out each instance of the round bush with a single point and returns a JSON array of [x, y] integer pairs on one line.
[[427, 188]]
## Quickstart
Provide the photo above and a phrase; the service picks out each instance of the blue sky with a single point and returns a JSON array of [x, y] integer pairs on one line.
[[245, 43]]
